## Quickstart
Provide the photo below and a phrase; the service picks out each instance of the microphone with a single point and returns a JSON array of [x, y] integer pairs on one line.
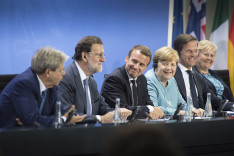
[[175, 116], [219, 112], [36, 124], [148, 115], [70, 115], [222, 106], [134, 114], [232, 107]]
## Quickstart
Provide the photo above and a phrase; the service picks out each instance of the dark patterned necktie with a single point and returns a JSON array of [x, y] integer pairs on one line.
[[134, 92], [192, 88]]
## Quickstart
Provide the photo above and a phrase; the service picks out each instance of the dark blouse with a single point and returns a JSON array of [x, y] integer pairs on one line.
[[227, 94]]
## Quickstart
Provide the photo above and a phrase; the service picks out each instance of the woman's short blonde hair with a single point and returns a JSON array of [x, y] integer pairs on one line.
[[165, 54], [207, 45]]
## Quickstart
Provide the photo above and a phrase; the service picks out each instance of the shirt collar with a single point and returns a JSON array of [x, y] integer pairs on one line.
[[183, 68], [82, 74], [41, 84], [130, 78]]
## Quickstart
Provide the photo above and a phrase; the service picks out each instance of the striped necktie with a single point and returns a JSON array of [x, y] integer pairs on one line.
[[86, 85]]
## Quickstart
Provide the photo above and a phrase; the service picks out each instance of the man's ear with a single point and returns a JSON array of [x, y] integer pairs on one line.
[[84, 57], [126, 59], [47, 72]]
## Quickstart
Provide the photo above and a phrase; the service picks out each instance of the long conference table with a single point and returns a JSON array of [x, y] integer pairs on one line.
[[199, 137]]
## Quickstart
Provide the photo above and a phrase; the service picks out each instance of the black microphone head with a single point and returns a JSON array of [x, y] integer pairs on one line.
[[155, 65], [137, 113]]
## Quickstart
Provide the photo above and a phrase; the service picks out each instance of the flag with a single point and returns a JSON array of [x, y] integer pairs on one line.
[[197, 19], [231, 53], [177, 19], [219, 35]]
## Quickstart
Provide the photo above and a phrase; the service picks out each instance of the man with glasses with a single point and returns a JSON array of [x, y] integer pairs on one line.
[[78, 87], [30, 98]]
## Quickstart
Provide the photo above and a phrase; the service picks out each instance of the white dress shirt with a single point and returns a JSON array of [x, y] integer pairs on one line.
[[83, 76], [151, 109], [41, 84], [43, 88], [186, 79]]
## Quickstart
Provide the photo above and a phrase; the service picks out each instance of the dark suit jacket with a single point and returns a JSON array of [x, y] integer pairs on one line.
[[116, 85], [227, 94], [71, 92], [21, 99], [202, 90]]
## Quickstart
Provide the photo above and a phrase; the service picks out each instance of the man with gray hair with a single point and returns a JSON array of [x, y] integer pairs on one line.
[[31, 96]]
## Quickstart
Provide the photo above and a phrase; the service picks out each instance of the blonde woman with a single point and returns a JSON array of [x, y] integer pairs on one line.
[[206, 57], [162, 86]]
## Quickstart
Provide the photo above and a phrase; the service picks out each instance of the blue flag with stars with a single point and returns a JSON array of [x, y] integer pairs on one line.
[[177, 19]]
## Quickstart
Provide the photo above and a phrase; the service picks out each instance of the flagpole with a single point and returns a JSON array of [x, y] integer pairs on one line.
[[170, 23]]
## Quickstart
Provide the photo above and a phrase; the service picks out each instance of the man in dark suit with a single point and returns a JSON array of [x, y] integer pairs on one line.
[[21, 100], [186, 46], [89, 55], [122, 81]]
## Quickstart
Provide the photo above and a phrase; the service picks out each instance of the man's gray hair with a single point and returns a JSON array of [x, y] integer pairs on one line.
[[47, 57]]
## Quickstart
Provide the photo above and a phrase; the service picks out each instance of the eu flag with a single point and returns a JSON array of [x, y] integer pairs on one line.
[[177, 19]]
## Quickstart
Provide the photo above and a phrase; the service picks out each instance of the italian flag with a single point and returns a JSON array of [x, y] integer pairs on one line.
[[231, 53], [219, 35]]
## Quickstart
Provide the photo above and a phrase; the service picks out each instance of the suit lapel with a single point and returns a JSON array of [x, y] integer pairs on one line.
[[128, 91], [199, 89], [139, 90], [196, 80], [79, 84], [36, 86], [180, 82]]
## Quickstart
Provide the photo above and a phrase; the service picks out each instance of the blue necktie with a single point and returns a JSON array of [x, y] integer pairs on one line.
[[192, 88], [86, 85], [42, 101]]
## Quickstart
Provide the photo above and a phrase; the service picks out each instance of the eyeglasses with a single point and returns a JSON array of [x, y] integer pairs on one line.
[[62, 71], [100, 55], [59, 70]]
